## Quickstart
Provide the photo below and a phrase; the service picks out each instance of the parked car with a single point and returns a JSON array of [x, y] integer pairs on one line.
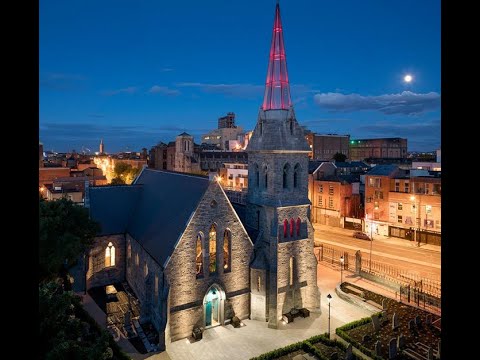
[[361, 235]]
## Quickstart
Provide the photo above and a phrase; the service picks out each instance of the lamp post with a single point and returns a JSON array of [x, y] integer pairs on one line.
[[412, 198], [371, 240], [341, 269], [329, 298]]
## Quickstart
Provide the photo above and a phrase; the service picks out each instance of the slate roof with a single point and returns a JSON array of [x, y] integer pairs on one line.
[[154, 211], [112, 206], [162, 213], [383, 170], [313, 165]]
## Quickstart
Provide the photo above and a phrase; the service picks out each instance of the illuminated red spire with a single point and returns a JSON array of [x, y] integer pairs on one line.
[[277, 89]]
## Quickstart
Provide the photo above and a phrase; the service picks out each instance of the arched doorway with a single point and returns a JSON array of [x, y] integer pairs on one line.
[[213, 306]]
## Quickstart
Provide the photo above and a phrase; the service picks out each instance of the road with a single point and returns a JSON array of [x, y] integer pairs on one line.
[[424, 261]]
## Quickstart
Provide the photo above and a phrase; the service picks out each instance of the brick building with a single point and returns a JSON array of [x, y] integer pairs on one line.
[[325, 146], [385, 148]]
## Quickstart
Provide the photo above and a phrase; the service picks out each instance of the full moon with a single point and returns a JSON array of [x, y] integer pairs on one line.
[[408, 78]]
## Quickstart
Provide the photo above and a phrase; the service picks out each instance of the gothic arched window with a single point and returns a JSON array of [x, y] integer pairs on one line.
[[296, 175], [286, 174], [256, 175], [212, 240], [285, 226], [292, 226], [227, 249], [298, 226], [265, 172], [199, 256], [110, 255]]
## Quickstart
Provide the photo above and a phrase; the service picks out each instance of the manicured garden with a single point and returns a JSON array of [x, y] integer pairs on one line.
[[415, 326], [320, 346]]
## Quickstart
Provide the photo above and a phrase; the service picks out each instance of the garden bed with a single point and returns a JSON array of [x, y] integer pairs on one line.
[[416, 339]]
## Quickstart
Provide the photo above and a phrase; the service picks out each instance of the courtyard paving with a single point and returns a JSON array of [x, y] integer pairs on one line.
[[226, 342]]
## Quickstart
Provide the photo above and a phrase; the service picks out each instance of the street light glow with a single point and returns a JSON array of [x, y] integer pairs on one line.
[[412, 198]]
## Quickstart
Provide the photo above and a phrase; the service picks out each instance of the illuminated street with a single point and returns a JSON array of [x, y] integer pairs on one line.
[[423, 261]]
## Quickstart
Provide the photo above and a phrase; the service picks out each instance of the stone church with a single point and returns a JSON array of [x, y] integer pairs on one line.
[[190, 257]]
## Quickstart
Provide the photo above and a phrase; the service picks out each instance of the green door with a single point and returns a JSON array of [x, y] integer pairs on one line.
[[208, 313]]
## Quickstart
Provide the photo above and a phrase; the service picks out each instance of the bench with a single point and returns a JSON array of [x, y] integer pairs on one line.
[[356, 291], [373, 303], [304, 312]]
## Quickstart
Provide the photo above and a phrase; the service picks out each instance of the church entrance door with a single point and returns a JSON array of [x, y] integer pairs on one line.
[[212, 304]]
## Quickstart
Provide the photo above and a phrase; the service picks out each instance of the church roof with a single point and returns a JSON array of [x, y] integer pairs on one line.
[[112, 206], [162, 213], [154, 211]]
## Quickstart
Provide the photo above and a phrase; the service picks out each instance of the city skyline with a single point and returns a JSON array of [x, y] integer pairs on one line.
[[135, 74]]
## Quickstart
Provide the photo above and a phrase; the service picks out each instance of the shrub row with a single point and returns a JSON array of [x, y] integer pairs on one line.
[[305, 345], [342, 332]]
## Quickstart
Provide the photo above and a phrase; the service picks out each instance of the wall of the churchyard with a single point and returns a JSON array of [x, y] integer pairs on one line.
[[97, 273], [187, 292]]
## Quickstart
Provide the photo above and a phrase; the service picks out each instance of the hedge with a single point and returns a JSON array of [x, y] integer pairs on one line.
[[341, 331], [306, 345]]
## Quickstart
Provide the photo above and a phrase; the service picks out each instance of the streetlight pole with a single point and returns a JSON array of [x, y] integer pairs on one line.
[[412, 198], [341, 269], [371, 240], [329, 298]]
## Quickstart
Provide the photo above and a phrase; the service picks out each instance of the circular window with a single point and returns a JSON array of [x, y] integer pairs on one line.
[[213, 204]]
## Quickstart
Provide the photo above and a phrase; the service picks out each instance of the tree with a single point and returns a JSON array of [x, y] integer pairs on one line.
[[339, 157], [66, 231], [121, 169], [117, 181], [65, 333]]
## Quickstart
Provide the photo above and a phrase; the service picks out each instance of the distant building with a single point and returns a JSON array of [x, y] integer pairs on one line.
[[234, 176], [184, 149], [227, 121], [101, 148], [386, 148], [40, 155], [324, 147], [403, 203], [221, 137]]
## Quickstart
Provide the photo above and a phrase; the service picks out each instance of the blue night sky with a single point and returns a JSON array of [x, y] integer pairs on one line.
[[136, 72]]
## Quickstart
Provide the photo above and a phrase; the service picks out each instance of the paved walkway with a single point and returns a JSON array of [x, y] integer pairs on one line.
[[226, 342]]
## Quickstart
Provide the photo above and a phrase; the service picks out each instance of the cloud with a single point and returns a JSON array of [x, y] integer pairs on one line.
[[164, 90], [62, 81], [127, 90], [234, 90], [408, 130], [405, 103]]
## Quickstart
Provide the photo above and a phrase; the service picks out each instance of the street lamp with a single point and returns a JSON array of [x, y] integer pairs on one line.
[[341, 269], [329, 298], [412, 198]]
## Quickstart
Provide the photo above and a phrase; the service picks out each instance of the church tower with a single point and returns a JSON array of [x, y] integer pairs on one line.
[[102, 147], [284, 268]]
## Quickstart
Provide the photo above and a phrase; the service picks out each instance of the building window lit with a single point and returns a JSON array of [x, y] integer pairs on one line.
[[330, 202], [129, 250], [399, 219], [227, 248], [330, 189], [320, 200], [399, 206], [110, 255], [137, 259], [258, 283], [199, 256], [145, 269], [212, 240]]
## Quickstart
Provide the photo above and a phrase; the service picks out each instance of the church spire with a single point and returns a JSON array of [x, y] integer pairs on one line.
[[277, 88]]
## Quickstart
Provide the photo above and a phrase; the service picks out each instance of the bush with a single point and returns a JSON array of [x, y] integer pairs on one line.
[[355, 343], [274, 354]]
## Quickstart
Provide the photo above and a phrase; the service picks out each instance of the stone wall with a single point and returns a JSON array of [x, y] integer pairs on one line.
[[97, 273], [144, 285], [186, 290]]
